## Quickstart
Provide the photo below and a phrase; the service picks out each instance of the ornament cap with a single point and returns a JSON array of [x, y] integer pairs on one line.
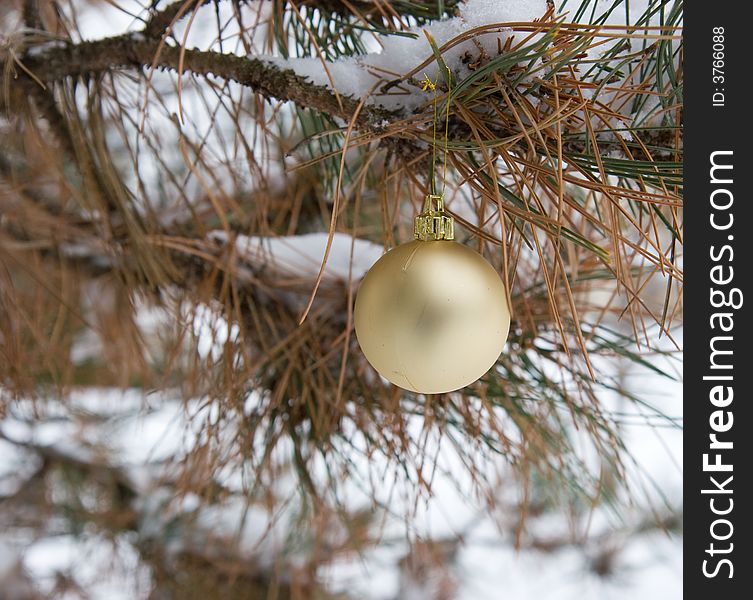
[[433, 224]]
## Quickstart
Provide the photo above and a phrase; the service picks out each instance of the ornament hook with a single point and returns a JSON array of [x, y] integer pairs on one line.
[[433, 224]]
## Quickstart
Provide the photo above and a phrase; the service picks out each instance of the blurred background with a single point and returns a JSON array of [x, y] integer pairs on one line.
[[170, 430]]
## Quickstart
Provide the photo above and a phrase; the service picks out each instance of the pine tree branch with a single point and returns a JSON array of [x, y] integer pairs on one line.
[[135, 50], [138, 51], [47, 62], [164, 18], [145, 49]]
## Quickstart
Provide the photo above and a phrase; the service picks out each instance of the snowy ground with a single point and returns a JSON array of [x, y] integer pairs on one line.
[[488, 567], [148, 429]]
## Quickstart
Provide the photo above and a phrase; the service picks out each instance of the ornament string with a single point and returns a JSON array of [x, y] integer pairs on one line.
[[428, 84], [431, 223]]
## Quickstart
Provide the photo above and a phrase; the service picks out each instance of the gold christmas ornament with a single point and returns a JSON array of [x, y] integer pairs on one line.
[[431, 315]]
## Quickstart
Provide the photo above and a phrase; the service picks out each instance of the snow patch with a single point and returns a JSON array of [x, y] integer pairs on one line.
[[301, 256], [357, 76]]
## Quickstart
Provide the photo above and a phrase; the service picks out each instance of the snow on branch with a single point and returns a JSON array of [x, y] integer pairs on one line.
[[397, 56], [479, 31]]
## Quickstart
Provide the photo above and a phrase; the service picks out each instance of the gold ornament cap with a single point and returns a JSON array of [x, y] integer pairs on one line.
[[432, 224]]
